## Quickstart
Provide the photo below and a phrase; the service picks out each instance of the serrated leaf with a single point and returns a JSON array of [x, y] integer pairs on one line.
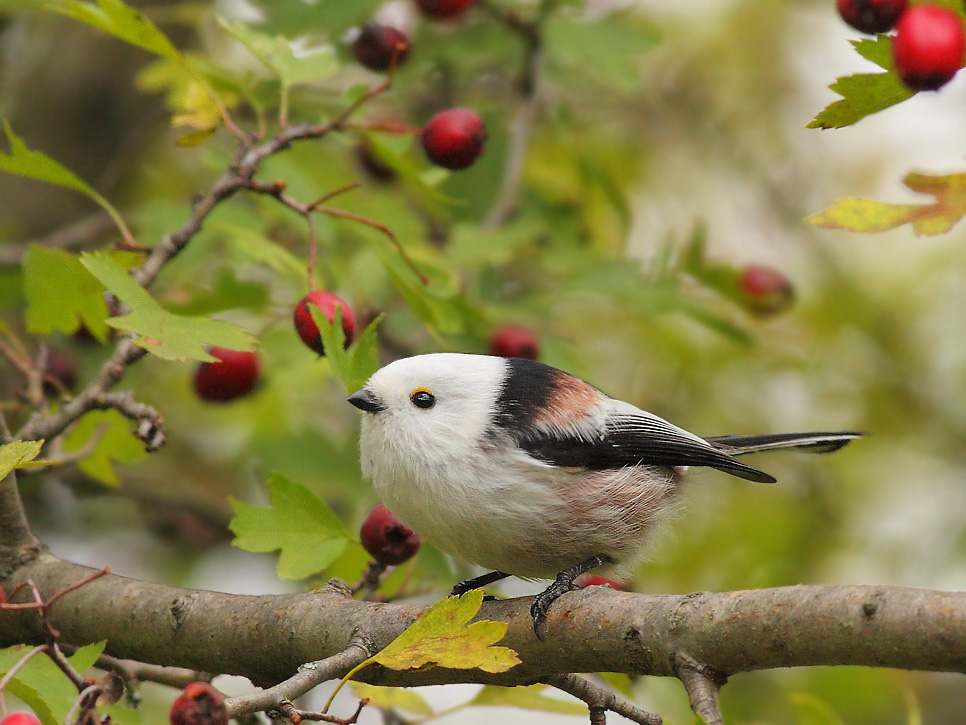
[[353, 366], [277, 54], [169, 336], [61, 294], [16, 454], [116, 444], [866, 215], [298, 523], [392, 698], [531, 697], [42, 685], [443, 637], [864, 93], [36, 165]]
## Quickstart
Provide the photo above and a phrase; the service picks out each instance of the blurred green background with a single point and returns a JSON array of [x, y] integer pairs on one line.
[[659, 126]]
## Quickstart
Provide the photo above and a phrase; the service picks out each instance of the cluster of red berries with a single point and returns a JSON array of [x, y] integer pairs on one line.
[[236, 372], [453, 138], [928, 46]]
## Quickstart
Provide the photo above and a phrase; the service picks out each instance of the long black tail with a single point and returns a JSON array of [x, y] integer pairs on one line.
[[811, 442]]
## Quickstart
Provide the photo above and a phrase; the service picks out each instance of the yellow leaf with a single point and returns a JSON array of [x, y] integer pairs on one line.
[[439, 637], [17, 454], [866, 215], [443, 637]]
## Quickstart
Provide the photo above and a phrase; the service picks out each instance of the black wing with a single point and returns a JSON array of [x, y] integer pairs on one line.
[[630, 440]]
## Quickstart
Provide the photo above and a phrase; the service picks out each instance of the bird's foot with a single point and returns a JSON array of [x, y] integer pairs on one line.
[[562, 584]]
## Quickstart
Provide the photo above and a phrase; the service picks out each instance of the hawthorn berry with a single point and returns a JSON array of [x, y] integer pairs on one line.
[[871, 16], [928, 47], [61, 372], [454, 138], [387, 538], [765, 290], [234, 375], [514, 341], [20, 718], [327, 303], [445, 8], [379, 46], [594, 580], [199, 704]]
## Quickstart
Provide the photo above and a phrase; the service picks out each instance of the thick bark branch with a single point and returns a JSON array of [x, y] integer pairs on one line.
[[266, 638]]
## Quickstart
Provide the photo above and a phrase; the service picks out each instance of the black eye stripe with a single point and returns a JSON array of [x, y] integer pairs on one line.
[[423, 399]]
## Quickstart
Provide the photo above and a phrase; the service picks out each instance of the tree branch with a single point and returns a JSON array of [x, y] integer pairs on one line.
[[310, 675], [597, 698], [595, 629]]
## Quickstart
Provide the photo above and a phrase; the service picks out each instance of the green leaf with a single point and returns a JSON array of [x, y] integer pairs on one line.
[[36, 165], [116, 444], [61, 294], [392, 698], [16, 454], [42, 685], [298, 524], [531, 697], [866, 215], [188, 97], [277, 54], [121, 21], [353, 366], [259, 248], [169, 336], [864, 93], [442, 637]]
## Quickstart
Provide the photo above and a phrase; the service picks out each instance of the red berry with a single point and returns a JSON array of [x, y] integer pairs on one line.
[[234, 375], [454, 139], [20, 718], [514, 341], [445, 8], [61, 372], [199, 704], [3, 597], [928, 47], [327, 303], [593, 580], [388, 539], [766, 291], [378, 47], [871, 16]]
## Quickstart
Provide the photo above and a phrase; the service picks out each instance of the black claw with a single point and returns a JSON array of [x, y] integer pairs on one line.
[[561, 585]]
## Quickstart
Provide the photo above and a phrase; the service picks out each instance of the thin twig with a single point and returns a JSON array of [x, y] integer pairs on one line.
[[310, 675], [132, 672], [295, 716], [702, 684], [597, 698]]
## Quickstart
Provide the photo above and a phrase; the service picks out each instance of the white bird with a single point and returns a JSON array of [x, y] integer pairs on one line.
[[527, 470]]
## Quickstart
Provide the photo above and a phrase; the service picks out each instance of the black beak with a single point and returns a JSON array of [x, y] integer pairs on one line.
[[364, 400]]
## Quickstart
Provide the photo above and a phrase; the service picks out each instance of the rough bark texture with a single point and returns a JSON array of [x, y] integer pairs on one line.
[[597, 629]]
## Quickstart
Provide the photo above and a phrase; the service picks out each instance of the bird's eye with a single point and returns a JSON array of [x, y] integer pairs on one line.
[[422, 398]]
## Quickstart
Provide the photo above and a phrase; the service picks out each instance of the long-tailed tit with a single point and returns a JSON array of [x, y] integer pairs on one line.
[[527, 470]]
